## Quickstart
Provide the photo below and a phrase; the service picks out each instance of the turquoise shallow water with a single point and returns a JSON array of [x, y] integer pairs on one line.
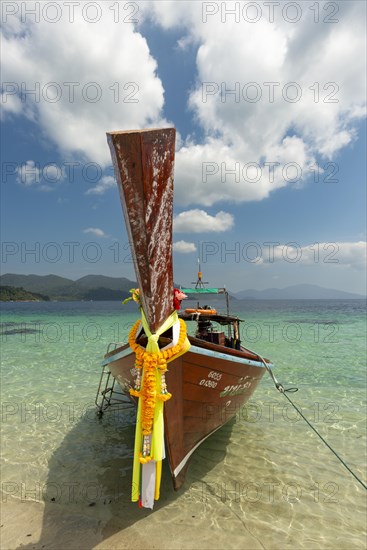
[[265, 476]]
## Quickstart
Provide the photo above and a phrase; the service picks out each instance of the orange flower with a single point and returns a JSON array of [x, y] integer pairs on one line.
[[151, 363]]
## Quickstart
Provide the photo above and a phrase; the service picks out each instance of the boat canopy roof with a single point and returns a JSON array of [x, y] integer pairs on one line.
[[222, 319], [203, 290]]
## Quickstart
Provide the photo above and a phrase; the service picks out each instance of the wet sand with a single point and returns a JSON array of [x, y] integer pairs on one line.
[[204, 515], [27, 526]]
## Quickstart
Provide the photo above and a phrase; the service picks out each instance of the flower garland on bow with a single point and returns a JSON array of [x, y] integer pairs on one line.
[[150, 363], [151, 390]]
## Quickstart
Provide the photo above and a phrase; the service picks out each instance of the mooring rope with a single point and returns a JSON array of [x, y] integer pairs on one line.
[[284, 391]]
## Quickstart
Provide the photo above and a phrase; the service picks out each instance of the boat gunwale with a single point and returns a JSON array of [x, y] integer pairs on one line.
[[221, 352]]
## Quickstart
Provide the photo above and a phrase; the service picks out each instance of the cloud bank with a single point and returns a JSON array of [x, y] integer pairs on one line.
[[79, 79], [278, 92]]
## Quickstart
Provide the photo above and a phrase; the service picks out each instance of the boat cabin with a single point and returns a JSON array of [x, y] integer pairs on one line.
[[214, 327], [220, 329]]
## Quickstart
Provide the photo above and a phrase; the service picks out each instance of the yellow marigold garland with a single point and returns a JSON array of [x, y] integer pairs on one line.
[[150, 362]]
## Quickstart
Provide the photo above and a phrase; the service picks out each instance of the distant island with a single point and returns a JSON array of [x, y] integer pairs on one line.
[[298, 292], [53, 287], [99, 287], [19, 294]]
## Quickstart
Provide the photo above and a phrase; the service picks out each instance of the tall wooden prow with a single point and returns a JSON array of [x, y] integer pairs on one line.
[[144, 162]]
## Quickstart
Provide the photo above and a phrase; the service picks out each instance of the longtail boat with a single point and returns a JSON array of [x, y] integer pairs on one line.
[[185, 387]]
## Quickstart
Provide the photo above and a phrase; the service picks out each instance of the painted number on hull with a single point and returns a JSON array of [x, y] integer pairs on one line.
[[235, 389], [213, 377], [208, 383]]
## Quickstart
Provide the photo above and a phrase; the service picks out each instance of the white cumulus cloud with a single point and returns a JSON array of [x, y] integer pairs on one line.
[[31, 174], [106, 182], [79, 79], [344, 254], [183, 247], [95, 231], [28, 173], [273, 97], [199, 221]]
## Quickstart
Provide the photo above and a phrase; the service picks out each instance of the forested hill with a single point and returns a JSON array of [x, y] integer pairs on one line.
[[18, 294], [90, 287]]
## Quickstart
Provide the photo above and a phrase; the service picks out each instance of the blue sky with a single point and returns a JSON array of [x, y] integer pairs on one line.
[[263, 110]]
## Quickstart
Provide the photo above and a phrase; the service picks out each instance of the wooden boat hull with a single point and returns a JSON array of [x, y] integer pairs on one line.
[[209, 385], [210, 382]]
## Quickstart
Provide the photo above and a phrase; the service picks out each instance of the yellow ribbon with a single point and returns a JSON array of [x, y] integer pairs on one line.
[[157, 435]]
